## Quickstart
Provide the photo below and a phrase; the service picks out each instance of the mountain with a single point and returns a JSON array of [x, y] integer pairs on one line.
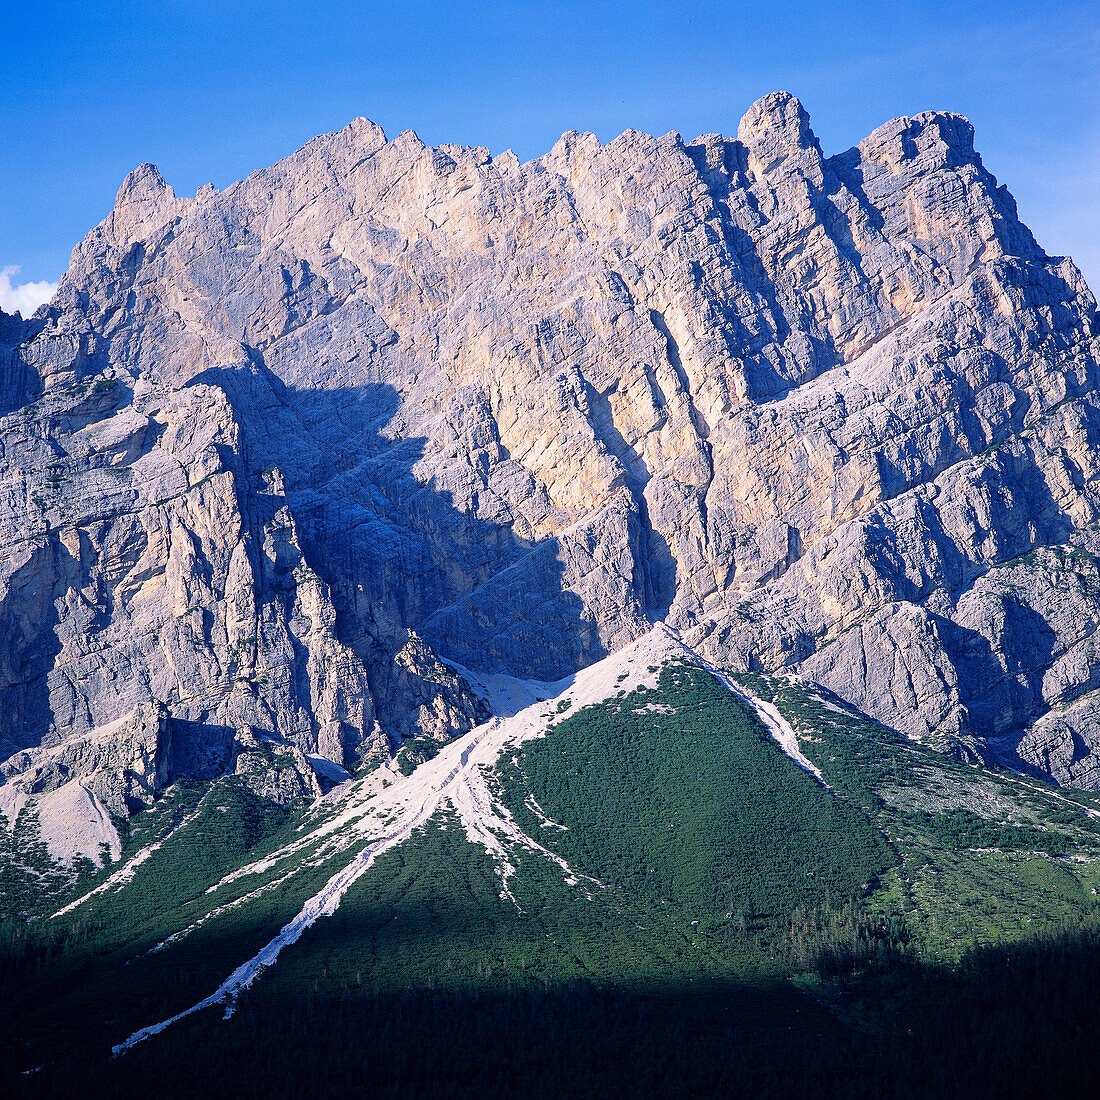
[[321, 495]]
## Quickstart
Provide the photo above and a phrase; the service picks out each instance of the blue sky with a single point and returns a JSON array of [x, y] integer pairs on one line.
[[211, 91]]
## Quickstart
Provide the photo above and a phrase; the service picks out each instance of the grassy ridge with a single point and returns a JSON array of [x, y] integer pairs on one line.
[[680, 799], [705, 836]]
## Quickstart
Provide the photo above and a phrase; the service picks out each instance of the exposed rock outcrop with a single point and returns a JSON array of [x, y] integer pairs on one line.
[[123, 764], [831, 414]]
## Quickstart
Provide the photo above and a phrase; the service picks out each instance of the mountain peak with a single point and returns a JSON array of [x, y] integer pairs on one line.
[[948, 138], [776, 112], [144, 183], [525, 411], [143, 205], [776, 126], [366, 132]]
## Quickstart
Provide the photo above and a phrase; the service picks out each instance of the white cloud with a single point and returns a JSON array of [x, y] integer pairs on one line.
[[25, 297]]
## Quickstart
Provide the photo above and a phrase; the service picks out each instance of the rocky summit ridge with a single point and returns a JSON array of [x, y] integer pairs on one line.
[[274, 453]]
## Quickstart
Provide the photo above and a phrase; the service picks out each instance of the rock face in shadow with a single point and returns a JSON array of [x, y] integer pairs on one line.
[[272, 451]]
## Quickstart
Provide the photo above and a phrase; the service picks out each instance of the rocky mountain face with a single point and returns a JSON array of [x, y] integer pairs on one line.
[[274, 454]]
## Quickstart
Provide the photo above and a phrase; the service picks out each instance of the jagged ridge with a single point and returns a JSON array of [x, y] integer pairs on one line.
[[799, 407]]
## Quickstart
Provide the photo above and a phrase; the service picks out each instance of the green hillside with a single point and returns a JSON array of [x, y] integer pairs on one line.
[[727, 922]]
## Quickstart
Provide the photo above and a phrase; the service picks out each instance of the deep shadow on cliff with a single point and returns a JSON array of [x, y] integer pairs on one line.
[[397, 553]]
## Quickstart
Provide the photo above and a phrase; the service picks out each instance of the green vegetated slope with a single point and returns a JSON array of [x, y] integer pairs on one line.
[[985, 856], [72, 986], [746, 929], [680, 800], [698, 837]]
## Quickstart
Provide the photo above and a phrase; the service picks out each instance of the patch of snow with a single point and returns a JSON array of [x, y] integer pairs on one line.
[[544, 821], [506, 695], [655, 708], [776, 724]]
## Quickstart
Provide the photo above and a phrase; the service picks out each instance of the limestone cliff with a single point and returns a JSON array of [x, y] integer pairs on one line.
[[272, 452]]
